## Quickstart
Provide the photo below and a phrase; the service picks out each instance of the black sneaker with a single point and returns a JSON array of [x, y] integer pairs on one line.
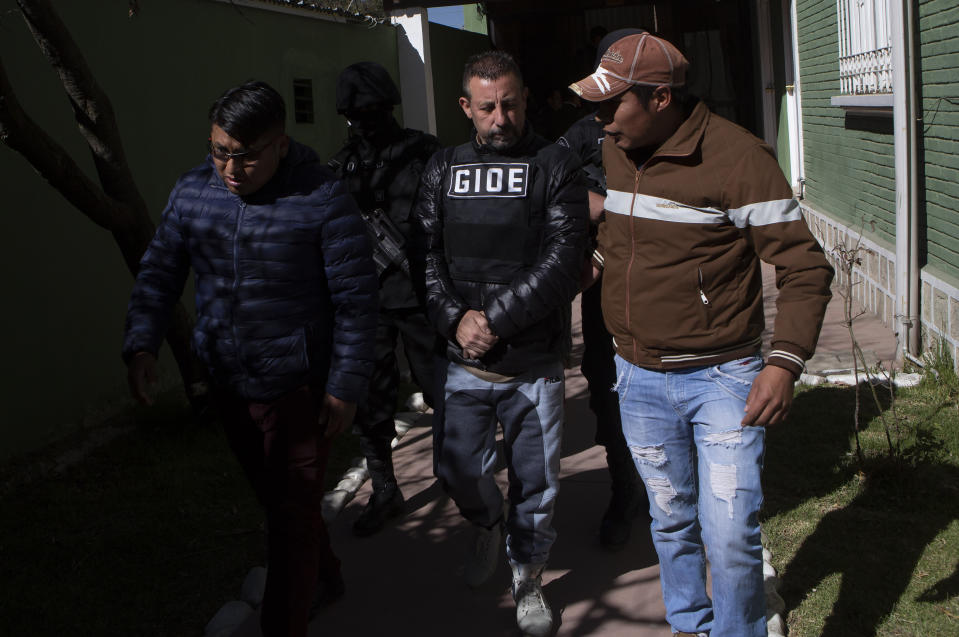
[[384, 504]]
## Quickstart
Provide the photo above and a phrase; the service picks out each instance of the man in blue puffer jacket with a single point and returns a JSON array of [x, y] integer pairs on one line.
[[286, 302]]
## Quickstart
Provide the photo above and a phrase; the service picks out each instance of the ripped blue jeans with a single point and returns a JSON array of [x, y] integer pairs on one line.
[[702, 473]]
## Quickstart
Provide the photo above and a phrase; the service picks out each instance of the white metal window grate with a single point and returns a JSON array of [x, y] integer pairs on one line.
[[865, 47]]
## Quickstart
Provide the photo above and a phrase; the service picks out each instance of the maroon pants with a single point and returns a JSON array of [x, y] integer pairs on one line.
[[281, 447]]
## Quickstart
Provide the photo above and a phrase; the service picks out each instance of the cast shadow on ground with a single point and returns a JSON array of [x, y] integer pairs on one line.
[[943, 589], [875, 542], [435, 537], [809, 455], [593, 574]]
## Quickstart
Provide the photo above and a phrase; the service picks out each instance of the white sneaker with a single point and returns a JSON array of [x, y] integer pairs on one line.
[[417, 403], [481, 563], [533, 615]]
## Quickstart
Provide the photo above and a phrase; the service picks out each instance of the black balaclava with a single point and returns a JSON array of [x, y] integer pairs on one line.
[[609, 39], [366, 95]]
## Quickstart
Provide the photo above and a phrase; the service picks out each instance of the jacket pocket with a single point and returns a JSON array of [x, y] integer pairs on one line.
[[202, 346], [703, 300], [305, 340], [279, 356]]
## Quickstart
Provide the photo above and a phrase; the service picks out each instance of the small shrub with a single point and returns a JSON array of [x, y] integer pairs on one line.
[[939, 367]]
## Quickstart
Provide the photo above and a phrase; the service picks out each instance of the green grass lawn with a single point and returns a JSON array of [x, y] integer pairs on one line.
[[148, 535], [867, 548]]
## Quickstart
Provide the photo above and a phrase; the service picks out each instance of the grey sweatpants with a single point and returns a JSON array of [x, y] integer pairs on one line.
[[530, 409]]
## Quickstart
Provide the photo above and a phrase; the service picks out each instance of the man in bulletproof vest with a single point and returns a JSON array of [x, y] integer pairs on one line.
[[381, 165], [505, 220], [628, 497]]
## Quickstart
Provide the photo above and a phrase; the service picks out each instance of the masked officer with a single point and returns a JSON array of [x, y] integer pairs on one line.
[[381, 165]]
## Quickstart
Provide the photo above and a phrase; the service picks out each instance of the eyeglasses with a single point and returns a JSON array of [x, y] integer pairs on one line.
[[247, 157]]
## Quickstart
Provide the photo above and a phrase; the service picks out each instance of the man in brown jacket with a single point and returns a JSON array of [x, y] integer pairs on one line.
[[693, 203]]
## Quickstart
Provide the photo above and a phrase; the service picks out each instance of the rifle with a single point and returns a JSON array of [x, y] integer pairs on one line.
[[388, 241]]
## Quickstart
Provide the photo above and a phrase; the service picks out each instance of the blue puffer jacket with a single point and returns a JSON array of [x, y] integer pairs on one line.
[[286, 288]]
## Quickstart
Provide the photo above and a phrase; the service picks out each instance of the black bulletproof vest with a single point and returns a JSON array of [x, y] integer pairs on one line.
[[387, 178], [368, 172], [493, 215]]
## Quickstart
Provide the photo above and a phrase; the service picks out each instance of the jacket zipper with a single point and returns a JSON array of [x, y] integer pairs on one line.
[[236, 284], [632, 243], [632, 254], [702, 293]]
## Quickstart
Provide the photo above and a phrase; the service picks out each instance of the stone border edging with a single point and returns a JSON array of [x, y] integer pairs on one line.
[[848, 377]]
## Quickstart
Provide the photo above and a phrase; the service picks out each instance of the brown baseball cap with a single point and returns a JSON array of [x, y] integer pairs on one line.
[[636, 60]]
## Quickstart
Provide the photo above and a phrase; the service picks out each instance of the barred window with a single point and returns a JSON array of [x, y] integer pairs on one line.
[[303, 101], [865, 47]]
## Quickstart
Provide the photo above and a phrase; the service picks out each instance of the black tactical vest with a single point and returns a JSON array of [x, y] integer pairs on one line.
[[493, 214], [388, 178]]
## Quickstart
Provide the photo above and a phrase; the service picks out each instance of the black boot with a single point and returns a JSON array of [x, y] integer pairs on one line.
[[617, 521], [627, 499], [385, 503]]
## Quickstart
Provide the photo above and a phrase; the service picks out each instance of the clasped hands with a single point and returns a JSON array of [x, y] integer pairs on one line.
[[474, 335]]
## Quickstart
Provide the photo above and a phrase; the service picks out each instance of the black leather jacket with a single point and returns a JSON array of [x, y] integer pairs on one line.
[[585, 139], [505, 232]]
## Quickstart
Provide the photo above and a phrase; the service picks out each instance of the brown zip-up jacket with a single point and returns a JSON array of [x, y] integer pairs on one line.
[[680, 248]]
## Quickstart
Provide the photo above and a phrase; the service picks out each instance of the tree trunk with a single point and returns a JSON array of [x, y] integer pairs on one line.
[[116, 204]]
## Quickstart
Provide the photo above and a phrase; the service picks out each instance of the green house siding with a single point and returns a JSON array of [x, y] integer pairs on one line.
[[939, 69], [849, 173], [778, 22]]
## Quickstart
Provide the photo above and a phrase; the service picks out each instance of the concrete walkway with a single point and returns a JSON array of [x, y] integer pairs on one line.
[[408, 579], [834, 349]]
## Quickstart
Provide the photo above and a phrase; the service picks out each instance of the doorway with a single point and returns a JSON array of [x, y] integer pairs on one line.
[[551, 41]]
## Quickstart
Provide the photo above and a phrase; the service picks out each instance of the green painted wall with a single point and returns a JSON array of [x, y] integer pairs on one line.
[[449, 49], [777, 21], [939, 69], [782, 138], [850, 174], [65, 286], [474, 19]]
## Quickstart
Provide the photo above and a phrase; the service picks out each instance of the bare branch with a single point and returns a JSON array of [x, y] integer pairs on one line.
[[22, 134], [91, 106], [118, 205]]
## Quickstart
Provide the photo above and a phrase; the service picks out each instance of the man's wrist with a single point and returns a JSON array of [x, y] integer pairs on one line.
[[787, 365]]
